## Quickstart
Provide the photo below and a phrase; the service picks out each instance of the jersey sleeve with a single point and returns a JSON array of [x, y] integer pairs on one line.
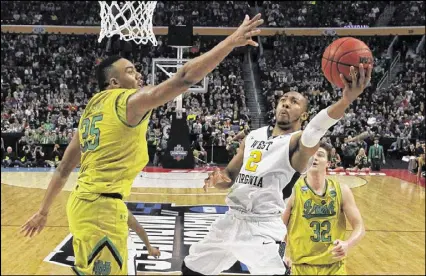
[[121, 106]]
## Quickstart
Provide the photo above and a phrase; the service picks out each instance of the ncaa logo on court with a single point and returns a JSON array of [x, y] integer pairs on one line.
[[172, 229], [178, 153]]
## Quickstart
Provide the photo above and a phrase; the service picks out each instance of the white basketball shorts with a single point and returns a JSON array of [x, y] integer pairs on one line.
[[250, 239]]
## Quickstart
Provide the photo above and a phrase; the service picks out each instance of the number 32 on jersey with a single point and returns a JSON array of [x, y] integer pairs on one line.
[[254, 159]]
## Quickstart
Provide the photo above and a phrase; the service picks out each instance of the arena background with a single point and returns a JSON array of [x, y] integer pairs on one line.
[[49, 51]]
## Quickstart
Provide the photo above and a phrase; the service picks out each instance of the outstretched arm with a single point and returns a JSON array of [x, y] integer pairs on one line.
[[304, 145], [224, 179], [192, 72], [71, 159], [140, 231]]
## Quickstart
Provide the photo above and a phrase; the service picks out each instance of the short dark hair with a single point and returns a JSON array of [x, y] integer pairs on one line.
[[327, 148], [102, 71]]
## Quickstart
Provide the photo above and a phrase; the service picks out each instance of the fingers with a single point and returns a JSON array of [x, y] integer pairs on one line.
[[225, 178], [345, 82], [252, 43], [361, 75], [255, 19], [33, 232], [353, 76], [338, 248], [368, 79], [256, 24], [252, 33], [339, 256]]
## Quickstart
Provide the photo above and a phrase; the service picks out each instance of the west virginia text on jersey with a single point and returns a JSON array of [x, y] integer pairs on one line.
[[266, 171]]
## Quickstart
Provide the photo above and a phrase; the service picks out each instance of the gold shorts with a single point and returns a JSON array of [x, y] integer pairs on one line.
[[100, 231]]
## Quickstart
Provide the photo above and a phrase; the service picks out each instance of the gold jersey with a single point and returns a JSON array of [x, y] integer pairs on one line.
[[315, 223], [112, 152]]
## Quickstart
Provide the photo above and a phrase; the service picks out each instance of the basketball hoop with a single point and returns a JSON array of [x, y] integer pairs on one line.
[[132, 21]]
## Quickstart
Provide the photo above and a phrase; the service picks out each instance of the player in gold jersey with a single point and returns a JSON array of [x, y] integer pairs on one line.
[[111, 147], [315, 218]]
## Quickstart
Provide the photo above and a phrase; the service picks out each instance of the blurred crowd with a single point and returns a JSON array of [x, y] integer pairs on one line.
[[322, 13], [408, 13], [294, 63], [47, 79], [222, 13]]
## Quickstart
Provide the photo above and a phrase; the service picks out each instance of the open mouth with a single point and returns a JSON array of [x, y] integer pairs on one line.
[[284, 113]]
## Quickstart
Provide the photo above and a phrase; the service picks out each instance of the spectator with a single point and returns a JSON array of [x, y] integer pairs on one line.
[[376, 155], [349, 149], [335, 161], [361, 162], [9, 159], [421, 166], [2, 148], [56, 157], [412, 162], [199, 151], [39, 157], [26, 157]]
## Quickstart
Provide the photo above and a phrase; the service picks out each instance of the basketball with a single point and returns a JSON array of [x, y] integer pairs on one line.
[[340, 55]]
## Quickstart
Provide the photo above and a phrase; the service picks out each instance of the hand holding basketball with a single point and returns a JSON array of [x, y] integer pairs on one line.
[[242, 36], [34, 225], [215, 177], [352, 90]]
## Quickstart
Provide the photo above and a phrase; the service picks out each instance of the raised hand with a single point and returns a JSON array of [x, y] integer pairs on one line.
[[352, 90], [242, 36]]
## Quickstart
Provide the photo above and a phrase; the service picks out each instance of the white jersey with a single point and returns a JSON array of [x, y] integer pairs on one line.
[[266, 171]]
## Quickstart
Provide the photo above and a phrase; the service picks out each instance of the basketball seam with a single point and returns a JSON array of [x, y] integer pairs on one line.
[[332, 58], [354, 51], [327, 59], [342, 63]]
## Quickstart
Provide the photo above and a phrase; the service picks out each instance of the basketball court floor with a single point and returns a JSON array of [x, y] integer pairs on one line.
[[176, 212]]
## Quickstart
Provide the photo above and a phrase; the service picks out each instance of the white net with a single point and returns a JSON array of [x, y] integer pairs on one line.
[[132, 20]]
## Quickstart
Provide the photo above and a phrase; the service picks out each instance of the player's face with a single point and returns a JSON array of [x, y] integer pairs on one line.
[[320, 160], [291, 109], [127, 76]]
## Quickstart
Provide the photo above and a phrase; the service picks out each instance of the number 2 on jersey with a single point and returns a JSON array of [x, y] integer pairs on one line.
[[255, 157], [89, 127]]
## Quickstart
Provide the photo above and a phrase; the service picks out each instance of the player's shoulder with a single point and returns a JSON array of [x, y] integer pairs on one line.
[[339, 186], [300, 184]]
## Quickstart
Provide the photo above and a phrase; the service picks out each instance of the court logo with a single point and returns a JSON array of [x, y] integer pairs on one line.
[[102, 268], [178, 153], [172, 229]]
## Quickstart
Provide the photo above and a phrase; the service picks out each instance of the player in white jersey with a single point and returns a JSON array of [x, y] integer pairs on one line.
[[260, 176]]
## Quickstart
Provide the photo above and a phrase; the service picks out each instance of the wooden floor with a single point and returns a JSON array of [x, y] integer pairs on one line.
[[393, 211]]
